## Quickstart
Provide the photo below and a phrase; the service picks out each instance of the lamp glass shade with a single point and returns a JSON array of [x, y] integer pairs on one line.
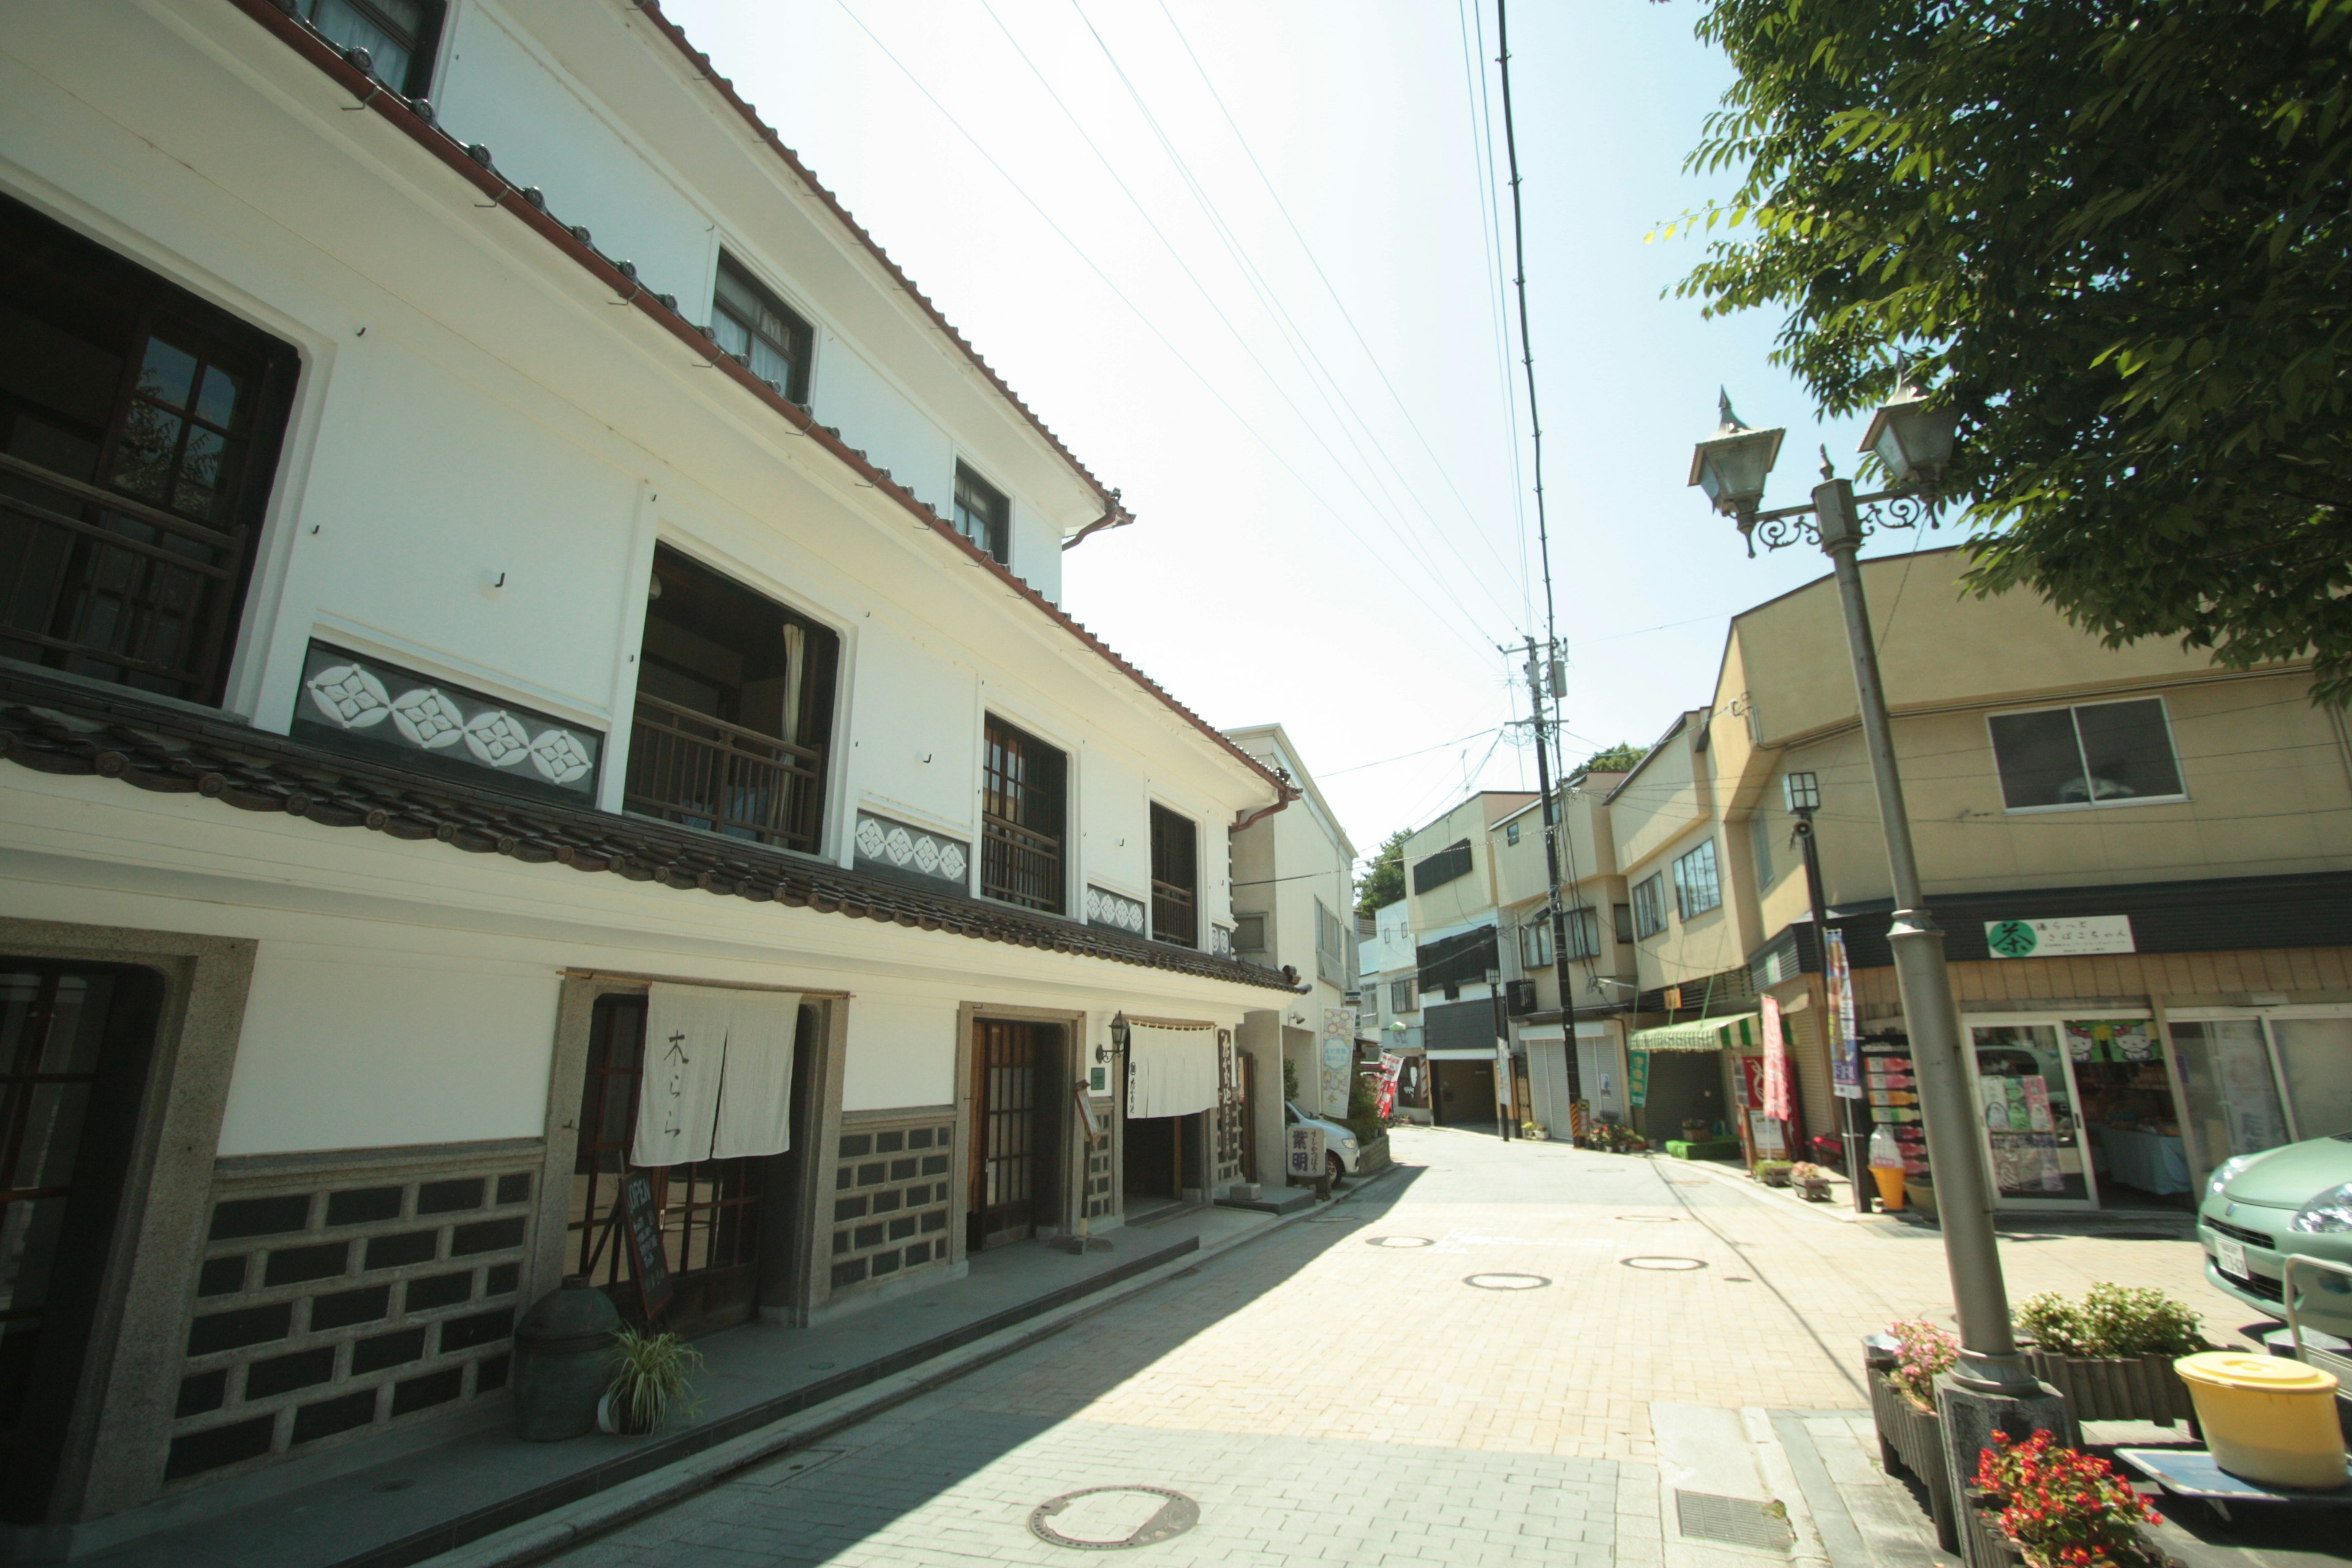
[[1731, 468], [1802, 791], [1912, 440]]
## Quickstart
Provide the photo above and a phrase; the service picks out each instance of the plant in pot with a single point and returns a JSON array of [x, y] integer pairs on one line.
[[2111, 1353], [653, 1381], [2054, 1507], [1773, 1173], [1811, 1181]]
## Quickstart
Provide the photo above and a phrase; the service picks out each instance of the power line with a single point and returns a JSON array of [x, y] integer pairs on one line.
[[1120, 294], [1424, 751], [1240, 339], [1490, 239], [1294, 338]]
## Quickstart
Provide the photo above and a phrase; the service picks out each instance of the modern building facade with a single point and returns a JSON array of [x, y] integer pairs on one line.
[[533, 696]]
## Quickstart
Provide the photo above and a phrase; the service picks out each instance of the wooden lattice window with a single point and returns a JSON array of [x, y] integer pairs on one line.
[[1021, 819]]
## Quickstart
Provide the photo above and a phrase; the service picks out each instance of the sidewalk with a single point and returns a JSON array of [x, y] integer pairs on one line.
[[385, 1510]]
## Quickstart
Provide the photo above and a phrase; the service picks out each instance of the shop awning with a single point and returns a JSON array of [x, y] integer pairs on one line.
[[1699, 1035]]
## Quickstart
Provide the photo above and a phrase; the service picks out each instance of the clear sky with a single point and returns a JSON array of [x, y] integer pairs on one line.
[[1238, 255]]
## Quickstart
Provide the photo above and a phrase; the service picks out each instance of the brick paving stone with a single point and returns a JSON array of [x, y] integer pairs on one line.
[[1329, 1400]]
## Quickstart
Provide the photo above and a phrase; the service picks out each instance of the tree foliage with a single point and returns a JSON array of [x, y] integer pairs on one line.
[[1618, 759], [2117, 235], [1384, 883]]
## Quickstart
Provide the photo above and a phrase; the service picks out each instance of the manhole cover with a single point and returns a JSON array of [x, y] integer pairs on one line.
[[1111, 1519], [1736, 1519], [1651, 1218], [1666, 1265], [1505, 1282], [1398, 1241]]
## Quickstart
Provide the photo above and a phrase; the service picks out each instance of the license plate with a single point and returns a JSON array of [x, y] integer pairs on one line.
[[2230, 1255]]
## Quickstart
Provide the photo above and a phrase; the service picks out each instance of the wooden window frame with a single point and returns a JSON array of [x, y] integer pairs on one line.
[[986, 517], [1022, 863], [1175, 877], [424, 49], [798, 347]]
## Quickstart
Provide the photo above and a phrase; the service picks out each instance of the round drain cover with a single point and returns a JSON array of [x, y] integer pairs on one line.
[[1668, 1265], [1398, 1241], [1111, 1519], [1507, 1281]]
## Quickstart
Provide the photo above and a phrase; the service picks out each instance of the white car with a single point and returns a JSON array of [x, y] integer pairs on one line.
[[1338, 1143]]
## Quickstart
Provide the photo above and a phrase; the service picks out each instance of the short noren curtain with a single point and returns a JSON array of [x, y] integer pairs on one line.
[[2091, 754], [1698, 887]]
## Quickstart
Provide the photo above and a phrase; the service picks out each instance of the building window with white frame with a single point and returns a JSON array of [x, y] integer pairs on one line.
[[1698, 885], [2088, 754], [1650, 905], [1583, 934], [1535, 943], [1402, 997]]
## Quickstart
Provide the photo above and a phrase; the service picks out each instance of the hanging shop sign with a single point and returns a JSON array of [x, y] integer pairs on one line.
[[1779, 1100], [1845, 1056], [2060, 938], [1392, 1067], [1637, 1080], [1337, 1058]]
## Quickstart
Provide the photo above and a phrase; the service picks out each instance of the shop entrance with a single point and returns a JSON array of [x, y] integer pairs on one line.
[[1683, 1087], [74, 1046], [709, 1210], [1163, 1158], [1019, 1083], [1464, 1093], [2078, 1113]]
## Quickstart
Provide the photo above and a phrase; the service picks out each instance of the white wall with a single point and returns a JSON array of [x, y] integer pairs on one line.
[[388, 1050], [901, 1053], [933, 704], [1117, 821]]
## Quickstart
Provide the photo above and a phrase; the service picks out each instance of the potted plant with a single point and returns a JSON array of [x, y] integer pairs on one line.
[[653, 1377], [2111, 1353], [1773, 1173], [2048, 1506], [1904, 1364], [1811, 1181], [1696, 1131]]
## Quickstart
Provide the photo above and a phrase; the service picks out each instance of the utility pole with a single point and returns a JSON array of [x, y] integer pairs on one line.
[[1558, 900]]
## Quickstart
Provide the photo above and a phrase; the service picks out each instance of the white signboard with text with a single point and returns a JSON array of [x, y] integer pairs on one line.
[[2060, 937]]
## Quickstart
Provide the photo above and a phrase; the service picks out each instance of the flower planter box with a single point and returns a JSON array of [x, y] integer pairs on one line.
[[1988, 1546], [1813, 1191], [1912, 1439], [2116, 1388]]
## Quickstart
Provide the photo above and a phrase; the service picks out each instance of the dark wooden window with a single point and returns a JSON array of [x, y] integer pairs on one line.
[[710, 1209], [982, 515], [400, 36], [1436, 870], [1455, 961], [1021, 813], [138, 429], [758, 328], [734, 709], [1175, 877]]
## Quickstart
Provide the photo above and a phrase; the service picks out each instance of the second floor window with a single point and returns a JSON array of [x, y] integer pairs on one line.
[[1535, 944], [1331, 946], [982, 515], [1650, 905], [139, 433], [400, 36], [755, 327], [1583, 934], [1402, 996], [1175, 877], [2095, 753], [734, 710], [1698, 887], [1021, 819]]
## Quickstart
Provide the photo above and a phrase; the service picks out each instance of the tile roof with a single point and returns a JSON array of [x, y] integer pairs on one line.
[[475, 164], [57, 726]]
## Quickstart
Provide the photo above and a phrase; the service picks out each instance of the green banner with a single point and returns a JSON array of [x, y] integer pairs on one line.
[[1637, 1079]]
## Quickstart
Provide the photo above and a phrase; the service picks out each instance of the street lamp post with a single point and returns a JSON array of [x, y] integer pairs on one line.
[[1912, 442]]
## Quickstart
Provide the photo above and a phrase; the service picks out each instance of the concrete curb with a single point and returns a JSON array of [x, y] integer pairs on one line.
[[573, 1524]]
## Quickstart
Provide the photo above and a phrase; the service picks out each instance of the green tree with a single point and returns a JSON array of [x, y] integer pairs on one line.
[[1384, 883], [1619, 758], [2116, 235]]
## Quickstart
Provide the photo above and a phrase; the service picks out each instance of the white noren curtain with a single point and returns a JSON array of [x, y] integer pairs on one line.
[[717, 1079], [1170, 1072]]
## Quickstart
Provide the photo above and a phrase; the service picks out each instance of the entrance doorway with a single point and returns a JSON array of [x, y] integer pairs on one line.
[[74, 1046], [709, 1210], [2087, 1112], [1019, 1080], [1161, 1159], [1464, 1093]]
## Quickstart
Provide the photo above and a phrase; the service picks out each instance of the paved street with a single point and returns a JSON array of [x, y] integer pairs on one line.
[[1336, 1392]]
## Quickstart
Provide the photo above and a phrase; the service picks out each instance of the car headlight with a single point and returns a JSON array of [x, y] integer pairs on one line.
[[1346, 1142], [2225, 1170], [2328, 1213]]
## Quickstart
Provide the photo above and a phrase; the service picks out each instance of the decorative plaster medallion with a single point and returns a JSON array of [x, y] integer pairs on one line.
[[899, 845], [497, 738], [927, 856], [869, 838], [560, 757], [951, 862], [350, 696], [427, 717]]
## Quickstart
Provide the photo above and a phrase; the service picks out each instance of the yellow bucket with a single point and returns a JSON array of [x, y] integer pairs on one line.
[[2267, 1419]]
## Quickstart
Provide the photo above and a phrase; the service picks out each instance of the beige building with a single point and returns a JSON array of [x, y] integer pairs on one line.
[[1451, 903], [2142, 862]]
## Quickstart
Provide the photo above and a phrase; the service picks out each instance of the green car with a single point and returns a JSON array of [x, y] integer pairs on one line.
[[2259, 1208]]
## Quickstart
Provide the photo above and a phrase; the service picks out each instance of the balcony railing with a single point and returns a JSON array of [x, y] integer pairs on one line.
[[691, 768], [1019, 865], [100, 584], [1173, 917]]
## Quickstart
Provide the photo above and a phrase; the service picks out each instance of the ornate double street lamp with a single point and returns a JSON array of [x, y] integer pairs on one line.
[[1992, 1388]]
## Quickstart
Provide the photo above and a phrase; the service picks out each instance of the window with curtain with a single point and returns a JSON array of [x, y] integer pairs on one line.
[[757, 327], [399, 36]]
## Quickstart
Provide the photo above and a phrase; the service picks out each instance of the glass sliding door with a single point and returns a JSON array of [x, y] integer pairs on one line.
[[2026, 1106], [2231, 1088], [2315, 1066]]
